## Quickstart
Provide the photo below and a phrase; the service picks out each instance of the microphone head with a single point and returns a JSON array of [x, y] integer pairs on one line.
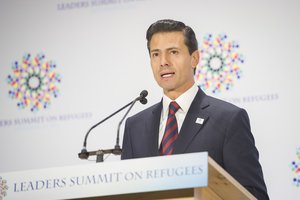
[[142, 97], [144, 101], [144, 93]]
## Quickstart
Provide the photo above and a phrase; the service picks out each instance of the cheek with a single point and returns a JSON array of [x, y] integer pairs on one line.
[[154, 70], [186, 71], [154, 66]]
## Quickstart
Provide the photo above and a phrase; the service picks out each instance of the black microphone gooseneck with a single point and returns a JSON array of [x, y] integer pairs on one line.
[[84, 154], [143, 100]]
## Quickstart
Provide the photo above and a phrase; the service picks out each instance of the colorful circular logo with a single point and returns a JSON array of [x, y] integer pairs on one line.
[[3, 188], [33, 82], [220, 63], [295, 167]]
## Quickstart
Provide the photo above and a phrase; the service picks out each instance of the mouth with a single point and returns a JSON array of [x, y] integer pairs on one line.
[[167, 74]]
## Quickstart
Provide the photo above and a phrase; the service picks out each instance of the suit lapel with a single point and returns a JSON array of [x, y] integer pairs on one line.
[[193, 122]]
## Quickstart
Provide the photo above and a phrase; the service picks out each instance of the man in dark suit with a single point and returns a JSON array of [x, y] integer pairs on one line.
[[195, 122]]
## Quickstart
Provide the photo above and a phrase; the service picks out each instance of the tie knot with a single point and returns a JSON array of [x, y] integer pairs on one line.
[[173, 108]]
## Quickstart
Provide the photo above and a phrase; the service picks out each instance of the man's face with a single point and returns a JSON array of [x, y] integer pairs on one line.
[[172, 65]]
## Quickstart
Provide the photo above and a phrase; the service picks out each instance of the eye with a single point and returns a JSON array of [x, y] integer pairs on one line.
[[174, 52], [154, 54]]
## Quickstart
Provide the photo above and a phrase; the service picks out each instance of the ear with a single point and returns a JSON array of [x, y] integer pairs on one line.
[[195, 58]]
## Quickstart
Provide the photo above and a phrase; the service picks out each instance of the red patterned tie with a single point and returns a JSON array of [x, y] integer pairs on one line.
[[171, 131]]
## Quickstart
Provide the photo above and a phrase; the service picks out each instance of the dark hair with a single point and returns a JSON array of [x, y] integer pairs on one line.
[[169, 25]]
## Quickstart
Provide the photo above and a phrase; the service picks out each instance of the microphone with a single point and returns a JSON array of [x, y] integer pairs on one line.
[[143, 100], [142, 97], [84, 154]]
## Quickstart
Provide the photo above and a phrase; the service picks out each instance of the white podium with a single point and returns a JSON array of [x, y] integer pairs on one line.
[[186, 176]]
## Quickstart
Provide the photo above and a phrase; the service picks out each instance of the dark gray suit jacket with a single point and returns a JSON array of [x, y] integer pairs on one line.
[[225, 134]]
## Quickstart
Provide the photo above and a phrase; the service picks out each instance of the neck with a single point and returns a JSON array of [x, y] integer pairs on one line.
[[174, 94]]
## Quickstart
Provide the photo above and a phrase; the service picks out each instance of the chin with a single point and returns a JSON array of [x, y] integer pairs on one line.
[[169, 89]]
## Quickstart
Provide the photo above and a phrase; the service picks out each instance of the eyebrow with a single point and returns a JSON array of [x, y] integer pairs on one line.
[[154, 50], [168, 49]]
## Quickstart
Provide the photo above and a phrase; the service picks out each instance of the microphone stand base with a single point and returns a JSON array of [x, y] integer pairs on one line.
[[99, 153], [99, 156]]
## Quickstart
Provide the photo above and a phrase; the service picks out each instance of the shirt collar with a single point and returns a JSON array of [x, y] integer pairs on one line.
[[184, 100]]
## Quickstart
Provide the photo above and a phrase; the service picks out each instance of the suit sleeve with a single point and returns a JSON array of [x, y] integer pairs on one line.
[[126, 147], [241, 158]]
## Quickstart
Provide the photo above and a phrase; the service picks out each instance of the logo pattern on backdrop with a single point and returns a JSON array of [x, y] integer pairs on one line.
[[295, 167], [220, 63], [33, 82], [3, 188]]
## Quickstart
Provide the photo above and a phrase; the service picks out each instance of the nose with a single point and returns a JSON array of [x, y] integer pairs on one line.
[[164, 60]]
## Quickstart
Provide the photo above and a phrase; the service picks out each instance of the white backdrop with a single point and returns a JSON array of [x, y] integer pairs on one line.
[[99, 48]]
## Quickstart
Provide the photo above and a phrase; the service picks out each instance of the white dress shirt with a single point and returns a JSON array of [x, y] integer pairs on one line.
[[184, 101]]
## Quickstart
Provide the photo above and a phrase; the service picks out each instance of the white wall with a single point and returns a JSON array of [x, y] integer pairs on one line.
[[100, 52]]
